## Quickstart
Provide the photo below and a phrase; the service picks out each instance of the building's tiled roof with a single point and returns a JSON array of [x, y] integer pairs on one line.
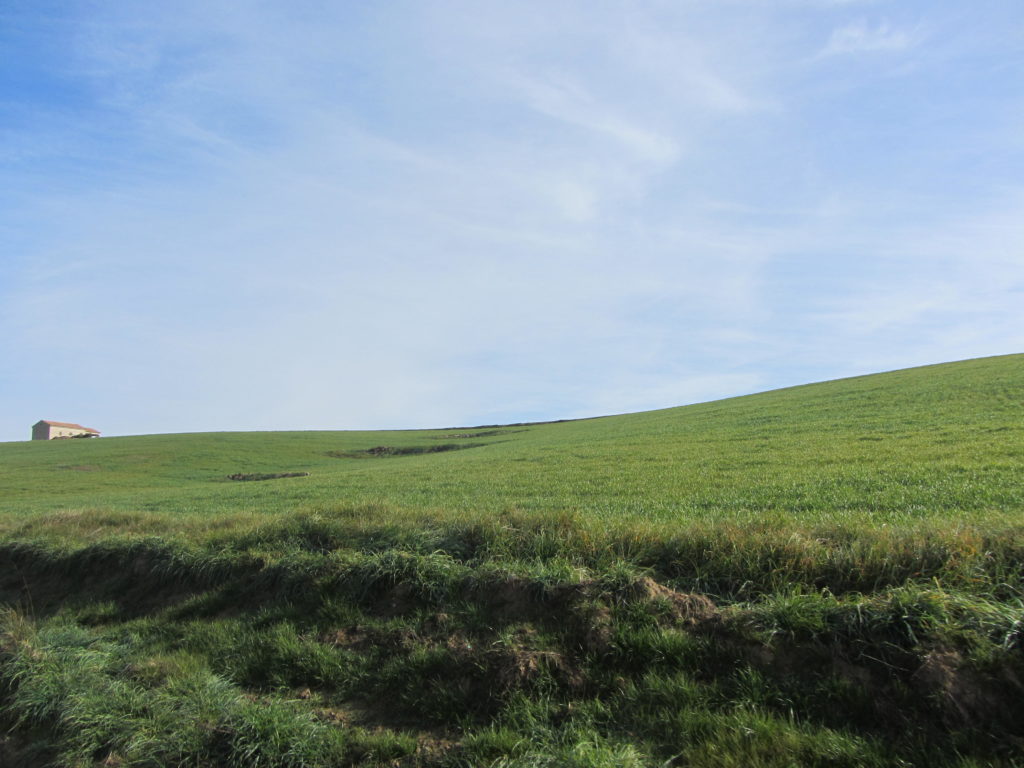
[[69, 426]]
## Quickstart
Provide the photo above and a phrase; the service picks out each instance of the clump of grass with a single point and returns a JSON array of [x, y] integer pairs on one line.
[[68, 681]]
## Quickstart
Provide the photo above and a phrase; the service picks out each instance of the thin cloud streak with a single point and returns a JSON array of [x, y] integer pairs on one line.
[[860, 37]]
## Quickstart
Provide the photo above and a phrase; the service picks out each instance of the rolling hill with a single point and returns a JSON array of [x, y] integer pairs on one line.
[[830, 574]]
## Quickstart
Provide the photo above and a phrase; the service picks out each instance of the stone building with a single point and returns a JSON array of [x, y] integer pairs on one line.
[[54, 430]]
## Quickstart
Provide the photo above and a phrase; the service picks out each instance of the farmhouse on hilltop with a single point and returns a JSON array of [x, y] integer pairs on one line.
[[55, 430]]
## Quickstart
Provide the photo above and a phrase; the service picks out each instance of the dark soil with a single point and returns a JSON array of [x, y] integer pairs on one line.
[[488, 433], [242, 476], [389, 451]]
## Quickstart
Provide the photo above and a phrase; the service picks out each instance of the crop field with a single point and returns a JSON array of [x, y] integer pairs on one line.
[[825, 575]]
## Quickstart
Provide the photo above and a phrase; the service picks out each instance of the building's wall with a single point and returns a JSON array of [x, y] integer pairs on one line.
[[49, 432]]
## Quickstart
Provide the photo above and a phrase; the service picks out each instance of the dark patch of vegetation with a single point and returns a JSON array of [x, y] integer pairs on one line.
[[470, 435], [248, 476], [527, 423], [388, 451]]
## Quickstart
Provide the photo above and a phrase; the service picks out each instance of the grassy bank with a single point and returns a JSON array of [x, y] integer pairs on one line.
[[824, 575]]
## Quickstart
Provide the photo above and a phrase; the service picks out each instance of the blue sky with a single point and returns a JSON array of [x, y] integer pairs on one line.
[[307, 215]]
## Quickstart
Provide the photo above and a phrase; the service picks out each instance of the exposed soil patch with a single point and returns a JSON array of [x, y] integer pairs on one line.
[[968, 697], [244, 476], [390, 451], [516, 667], [686, 607], [367, 638], [18, 750], [377, 717], [510, 599], [588, 605]]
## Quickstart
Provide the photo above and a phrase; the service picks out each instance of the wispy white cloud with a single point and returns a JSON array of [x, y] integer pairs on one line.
[[562, 99], [861, 37], [292, 216], [948, 291]]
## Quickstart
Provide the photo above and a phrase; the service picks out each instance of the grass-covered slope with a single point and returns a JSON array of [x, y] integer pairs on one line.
[[823, 575]]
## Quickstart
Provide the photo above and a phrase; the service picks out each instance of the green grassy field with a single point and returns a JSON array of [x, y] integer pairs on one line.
[[830, 574]]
